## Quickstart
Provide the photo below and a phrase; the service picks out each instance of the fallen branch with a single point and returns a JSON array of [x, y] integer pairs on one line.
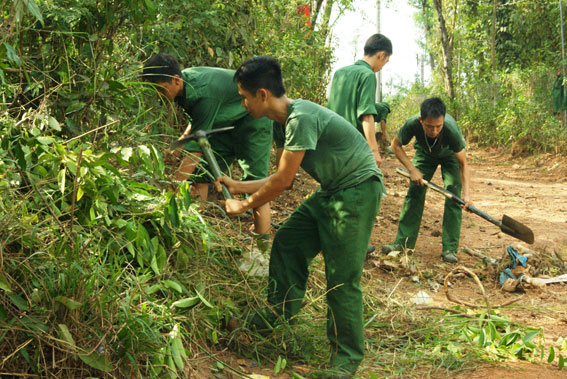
[[456, 300], [480, 255], [92, 131]]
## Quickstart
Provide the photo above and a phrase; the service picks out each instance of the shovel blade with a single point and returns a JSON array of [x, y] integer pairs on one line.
[[517, 229]]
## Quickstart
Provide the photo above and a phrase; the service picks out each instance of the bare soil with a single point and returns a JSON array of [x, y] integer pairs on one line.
[[531, 190]]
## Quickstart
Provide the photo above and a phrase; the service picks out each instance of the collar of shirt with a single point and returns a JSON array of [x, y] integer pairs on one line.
[[361, 62]]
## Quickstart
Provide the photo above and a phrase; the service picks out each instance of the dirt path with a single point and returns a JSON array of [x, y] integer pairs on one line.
[[532, 191]]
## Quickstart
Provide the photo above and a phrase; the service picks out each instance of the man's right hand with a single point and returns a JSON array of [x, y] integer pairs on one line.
[[378, 158], [416, 176]]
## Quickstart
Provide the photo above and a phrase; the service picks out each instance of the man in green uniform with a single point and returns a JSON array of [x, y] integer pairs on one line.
[[210, 97], [337, 219], [353, 90], [438, 141], [382, 110], [557, 94]]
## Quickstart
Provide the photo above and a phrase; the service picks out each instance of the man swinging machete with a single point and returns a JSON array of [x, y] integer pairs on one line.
[[438, 142], [210, 98]]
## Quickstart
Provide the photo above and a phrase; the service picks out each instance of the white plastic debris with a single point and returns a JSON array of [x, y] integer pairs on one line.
[[422, 298], [254, 263]]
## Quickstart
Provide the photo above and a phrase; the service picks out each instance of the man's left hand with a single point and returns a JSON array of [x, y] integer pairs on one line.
[[234, 207], [467, 203]]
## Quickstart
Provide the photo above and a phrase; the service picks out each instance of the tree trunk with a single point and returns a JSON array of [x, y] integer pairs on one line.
[[447, 49], [493, 53], [326, 17], [316, 8], [428, 31]]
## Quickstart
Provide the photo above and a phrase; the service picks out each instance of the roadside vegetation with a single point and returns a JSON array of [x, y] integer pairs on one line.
[[105, 271]]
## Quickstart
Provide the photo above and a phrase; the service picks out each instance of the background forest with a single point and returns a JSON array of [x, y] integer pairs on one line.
[[104, 271]]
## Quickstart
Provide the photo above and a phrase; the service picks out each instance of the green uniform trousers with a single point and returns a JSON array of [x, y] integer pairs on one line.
[[250, 143], [339, 225], [412, 210]]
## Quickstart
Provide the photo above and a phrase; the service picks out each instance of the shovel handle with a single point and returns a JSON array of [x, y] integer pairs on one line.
[[213, 165], [215, 169], [454, 197]]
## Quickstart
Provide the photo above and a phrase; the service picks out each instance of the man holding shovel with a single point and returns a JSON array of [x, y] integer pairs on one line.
[[336, 220], [210, 98], [438, 142]]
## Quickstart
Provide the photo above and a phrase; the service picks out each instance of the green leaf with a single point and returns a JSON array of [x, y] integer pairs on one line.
[[172, 285], [34, 10], [152, 289], [278, 365], [530, 336], [188, 302], [481, 337], [19, 302], [61, 179], [551, 356], [178, 352], [69, 303], [54, 124], [96, 360], [207, 304], [173, 212], [45, 140], [561, 362], [74, 107], [65, 334], [12, 55], [4, 284], [493, 333]]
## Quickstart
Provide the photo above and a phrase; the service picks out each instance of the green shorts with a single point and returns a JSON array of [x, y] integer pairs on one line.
[[249, 143]]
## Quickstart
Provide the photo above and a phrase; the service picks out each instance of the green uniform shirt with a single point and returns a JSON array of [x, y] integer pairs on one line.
[[381, 112], [557, 94], [336, 155], [450, 138], [353, 93], [210, 98]]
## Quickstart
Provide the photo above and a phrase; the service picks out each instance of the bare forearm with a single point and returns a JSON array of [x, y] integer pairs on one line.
[[401, 154], [465, 180], [369, 133], [249, 186], [273, 187]]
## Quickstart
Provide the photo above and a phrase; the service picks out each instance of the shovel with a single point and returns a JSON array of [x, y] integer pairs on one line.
[[508, 225]]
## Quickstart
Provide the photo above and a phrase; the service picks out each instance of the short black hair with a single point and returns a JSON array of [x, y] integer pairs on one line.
[[258, 72], [433, 107], [376, 43], [161, 68]]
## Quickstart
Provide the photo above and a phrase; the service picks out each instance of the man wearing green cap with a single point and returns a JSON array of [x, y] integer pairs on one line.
[[438, 142], [210, 98], [353, 90], [336, 220]]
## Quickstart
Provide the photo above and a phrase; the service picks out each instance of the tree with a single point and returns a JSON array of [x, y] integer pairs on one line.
[[446, 46]]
